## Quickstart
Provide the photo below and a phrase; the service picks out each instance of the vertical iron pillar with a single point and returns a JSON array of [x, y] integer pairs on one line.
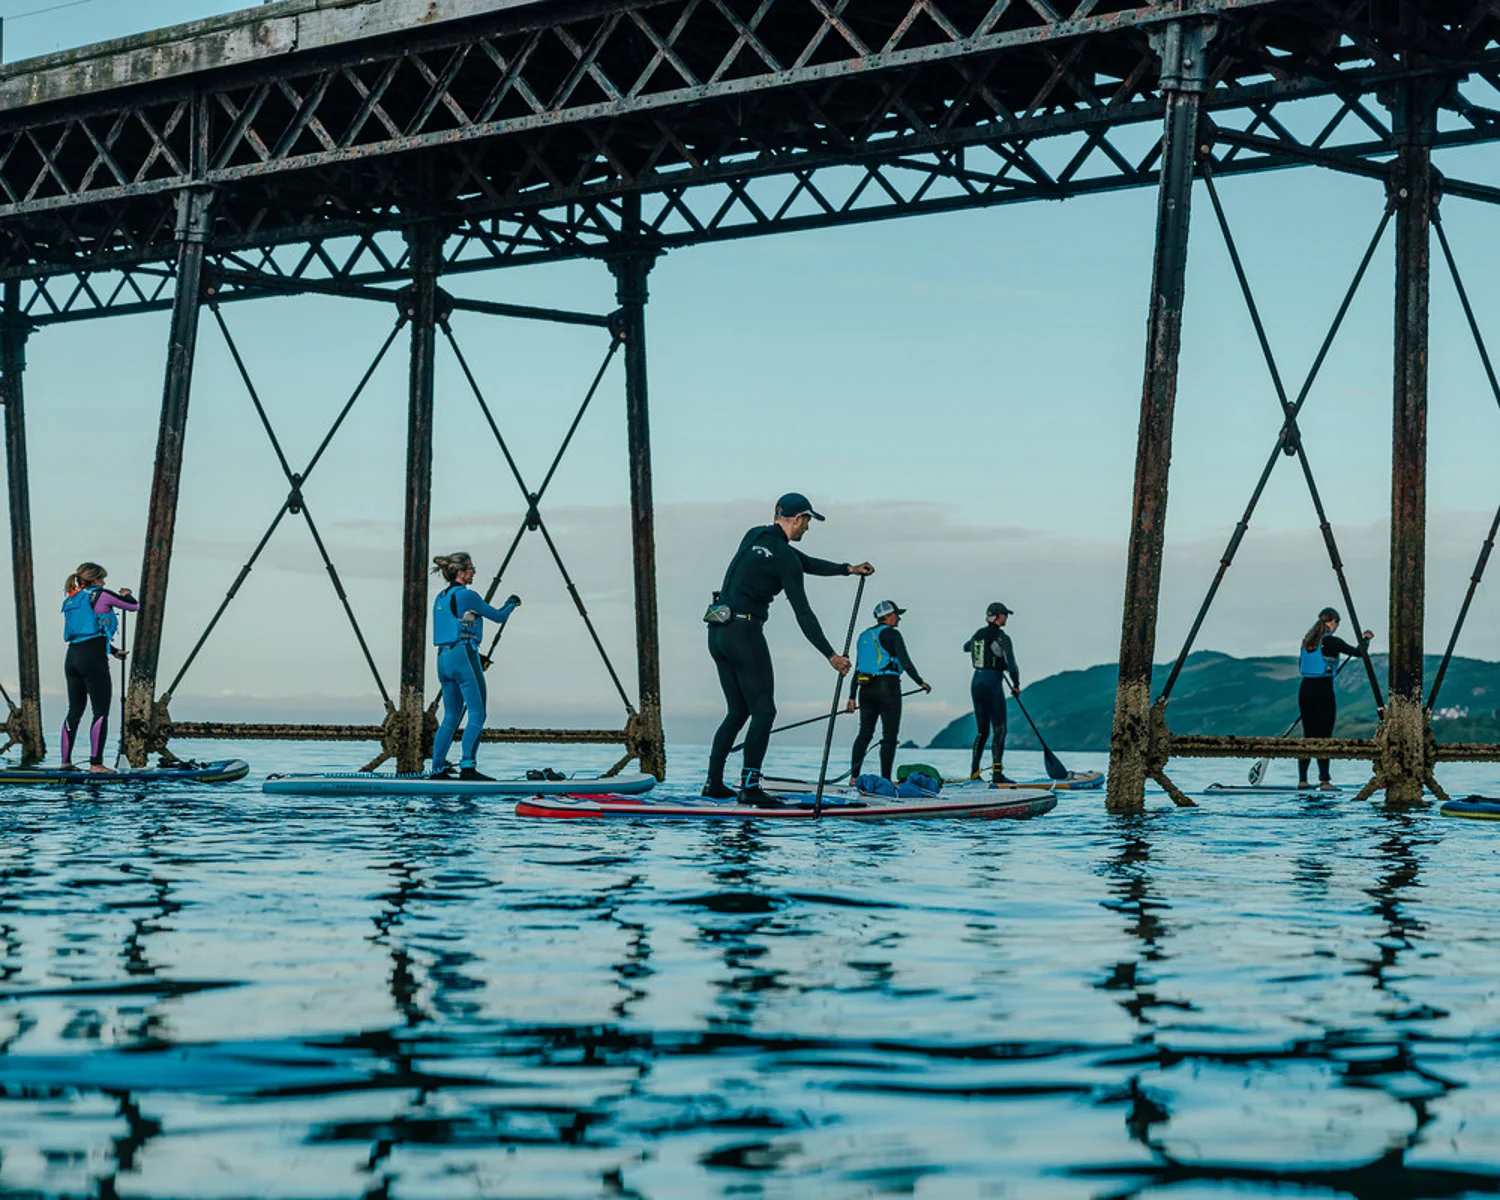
[[1182, 48], [1404, 761], [426, 243], [631, 272], [194, 223], [13, 332]]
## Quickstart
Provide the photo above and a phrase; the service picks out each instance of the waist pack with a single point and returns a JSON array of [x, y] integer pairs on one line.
[[718, 614]]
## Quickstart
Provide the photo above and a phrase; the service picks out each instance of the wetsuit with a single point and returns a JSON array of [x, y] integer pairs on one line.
[[457, 629], [765, 565], [994, 658], [877, 689], [1315, 699], [89, 624]]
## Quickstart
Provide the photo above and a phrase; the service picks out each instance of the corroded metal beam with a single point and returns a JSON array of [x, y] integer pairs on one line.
[[1210, 746], [274, 731], [13, 333], [1184, 75]]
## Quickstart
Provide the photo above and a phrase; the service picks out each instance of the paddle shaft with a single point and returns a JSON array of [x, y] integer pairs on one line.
[[1055, 768], [814, 720], [838, 690], [120, 745]]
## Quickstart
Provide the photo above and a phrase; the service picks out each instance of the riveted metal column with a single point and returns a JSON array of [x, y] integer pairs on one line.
[[426, 242], [631, 272], [194, 223], [1403, 764], [13, 331], [1181, 46]]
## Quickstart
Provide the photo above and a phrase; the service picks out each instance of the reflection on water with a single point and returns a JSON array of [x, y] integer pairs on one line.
[[215, 993]]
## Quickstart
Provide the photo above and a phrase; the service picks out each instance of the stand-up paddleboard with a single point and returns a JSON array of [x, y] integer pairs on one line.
[[1264, 789], [224, 770], [1077, 781], [371, 783], [1476, 808], [996, 805]]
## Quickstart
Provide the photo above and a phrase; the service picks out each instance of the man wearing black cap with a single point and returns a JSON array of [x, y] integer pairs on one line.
[[879, 660], [993, 658], [765, 564]]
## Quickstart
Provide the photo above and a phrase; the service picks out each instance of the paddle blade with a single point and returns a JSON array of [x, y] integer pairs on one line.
[[1055, 769], [1258, 771]]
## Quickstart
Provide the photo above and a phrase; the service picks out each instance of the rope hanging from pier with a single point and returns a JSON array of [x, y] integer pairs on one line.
[[1288, 441], [295, 503]]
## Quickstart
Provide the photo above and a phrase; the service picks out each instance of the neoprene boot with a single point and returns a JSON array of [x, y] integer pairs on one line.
[[475, 775], [753, 795], [997, 776], [717, 789], [446, 771]]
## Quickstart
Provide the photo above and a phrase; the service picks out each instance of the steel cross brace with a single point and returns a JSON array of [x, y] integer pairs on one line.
[[295, 502], [1288, 442], [533, 517]]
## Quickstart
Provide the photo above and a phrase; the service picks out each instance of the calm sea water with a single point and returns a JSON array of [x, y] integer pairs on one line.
[[207, 992]]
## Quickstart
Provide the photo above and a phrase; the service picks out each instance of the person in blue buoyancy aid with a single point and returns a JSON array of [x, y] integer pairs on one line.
[[1318, 663], [879, 660], [89, 626], [457, 629], [994, 658]]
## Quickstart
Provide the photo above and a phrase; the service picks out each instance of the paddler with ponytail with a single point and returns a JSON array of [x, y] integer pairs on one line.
[[457, 628], [89, 625], [993, 658], [1318, 663], [880, 657]]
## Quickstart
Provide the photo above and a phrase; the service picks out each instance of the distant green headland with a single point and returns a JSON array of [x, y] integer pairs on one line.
[[1253, 697]]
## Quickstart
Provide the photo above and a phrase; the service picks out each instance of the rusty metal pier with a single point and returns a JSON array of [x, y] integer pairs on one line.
[[380, 150]]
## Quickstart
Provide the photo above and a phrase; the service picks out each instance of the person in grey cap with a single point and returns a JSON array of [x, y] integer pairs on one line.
[[880, 657], [765, 564], [994, 658]]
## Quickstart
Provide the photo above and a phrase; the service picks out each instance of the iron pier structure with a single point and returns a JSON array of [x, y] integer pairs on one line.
[[380, 149]]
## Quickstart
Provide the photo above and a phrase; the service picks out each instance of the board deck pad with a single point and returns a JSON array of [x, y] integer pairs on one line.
[[989, 805], [224, 770], [371, 783]]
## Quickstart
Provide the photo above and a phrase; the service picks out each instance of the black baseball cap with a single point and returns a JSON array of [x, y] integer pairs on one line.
[[795, 504], [995, 609]]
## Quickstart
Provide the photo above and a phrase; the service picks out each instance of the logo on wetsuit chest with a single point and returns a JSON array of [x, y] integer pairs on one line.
[[762, 550]]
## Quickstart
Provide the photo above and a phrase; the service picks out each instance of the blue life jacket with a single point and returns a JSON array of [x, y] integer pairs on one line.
[[448, 624], [1314, 664], [872, 658], [81, 623]]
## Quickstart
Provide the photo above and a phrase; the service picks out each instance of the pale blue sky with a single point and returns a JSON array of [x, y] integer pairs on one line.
[[959, 394]]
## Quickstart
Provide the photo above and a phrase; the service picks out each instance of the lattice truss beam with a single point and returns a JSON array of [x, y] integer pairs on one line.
[[535, 130]]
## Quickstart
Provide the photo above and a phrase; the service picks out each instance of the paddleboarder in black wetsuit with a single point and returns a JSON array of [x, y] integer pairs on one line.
[[1318, 663], [993, 658], [880, 659], [765, 564]]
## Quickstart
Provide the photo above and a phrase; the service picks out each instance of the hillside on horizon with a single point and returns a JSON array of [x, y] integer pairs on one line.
[[1220, 694]]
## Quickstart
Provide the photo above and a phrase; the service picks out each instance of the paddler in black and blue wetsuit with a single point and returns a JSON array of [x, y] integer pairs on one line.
[[880, 658], [1318, 663], [994, 658], [89, 626], [765, 564], [457, 629]]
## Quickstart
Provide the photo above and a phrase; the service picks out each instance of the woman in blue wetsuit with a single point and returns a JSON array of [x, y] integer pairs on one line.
[[89, 625], [1318, 663], [457, 629]]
